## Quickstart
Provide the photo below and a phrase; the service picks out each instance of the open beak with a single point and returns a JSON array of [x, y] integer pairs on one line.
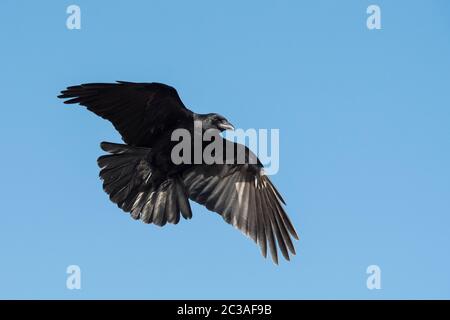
[[225, 125]]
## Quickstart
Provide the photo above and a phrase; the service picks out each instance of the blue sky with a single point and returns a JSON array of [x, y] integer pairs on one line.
[[364, 146]]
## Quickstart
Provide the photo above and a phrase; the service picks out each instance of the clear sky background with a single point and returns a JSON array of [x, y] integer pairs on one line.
[[364, 119]]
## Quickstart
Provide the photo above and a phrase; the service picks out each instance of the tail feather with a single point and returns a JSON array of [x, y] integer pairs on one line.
[[132, 183]]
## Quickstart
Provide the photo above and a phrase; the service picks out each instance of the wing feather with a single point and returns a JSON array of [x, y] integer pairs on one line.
[[139, 111], [246, 199]]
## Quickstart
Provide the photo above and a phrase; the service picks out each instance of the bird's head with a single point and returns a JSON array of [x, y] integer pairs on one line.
[[216, 121]]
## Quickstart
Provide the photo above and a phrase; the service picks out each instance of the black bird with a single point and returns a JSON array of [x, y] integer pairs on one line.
[[141, 178]]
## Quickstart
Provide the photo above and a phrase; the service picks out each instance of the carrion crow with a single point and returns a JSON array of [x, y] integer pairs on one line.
[[141, 177]]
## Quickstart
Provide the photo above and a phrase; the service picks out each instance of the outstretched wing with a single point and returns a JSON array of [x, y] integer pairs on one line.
[[139, 111], [247, 199]]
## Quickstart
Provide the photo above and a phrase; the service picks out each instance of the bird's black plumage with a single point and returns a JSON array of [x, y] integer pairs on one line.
[[141, 178]]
